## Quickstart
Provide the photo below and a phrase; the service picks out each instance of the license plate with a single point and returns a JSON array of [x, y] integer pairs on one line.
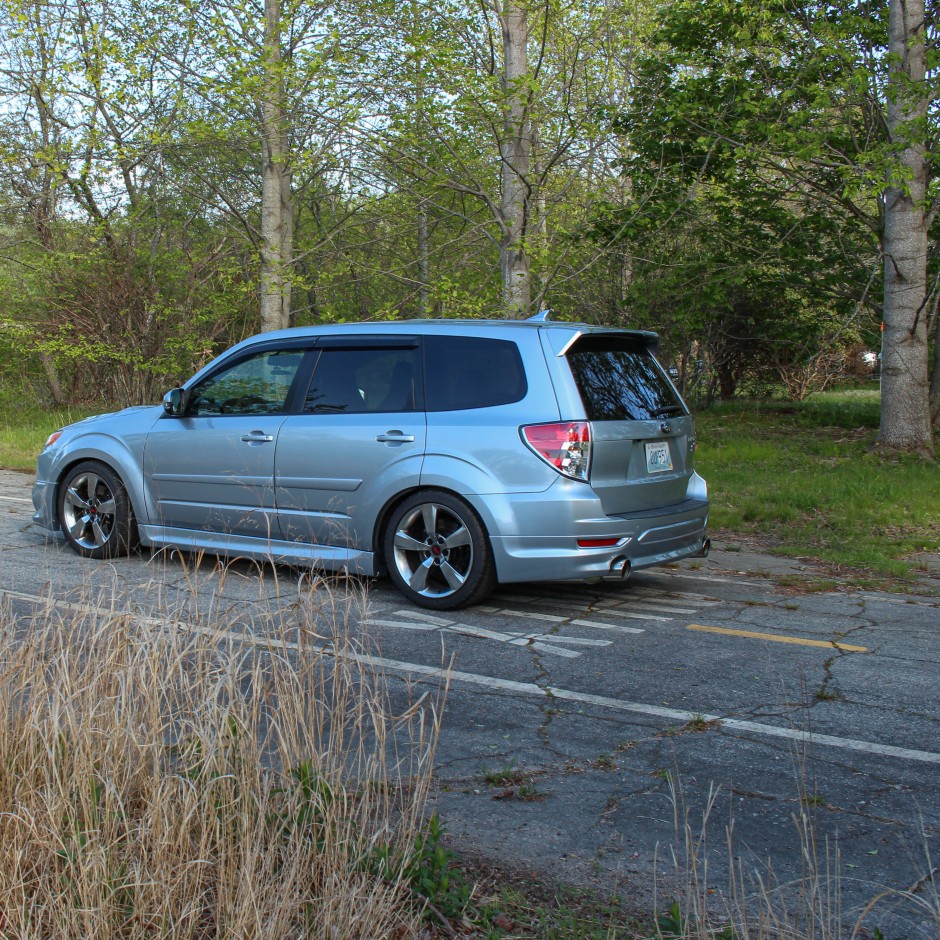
[[658, 457]]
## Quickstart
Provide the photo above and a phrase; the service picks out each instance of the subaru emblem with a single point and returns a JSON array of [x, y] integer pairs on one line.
[[665, 427]]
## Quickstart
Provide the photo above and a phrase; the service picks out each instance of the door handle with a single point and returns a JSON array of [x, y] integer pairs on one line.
[[257, 437], [395, 437]]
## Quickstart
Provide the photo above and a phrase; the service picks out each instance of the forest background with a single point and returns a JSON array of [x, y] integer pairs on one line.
[[756, 180]]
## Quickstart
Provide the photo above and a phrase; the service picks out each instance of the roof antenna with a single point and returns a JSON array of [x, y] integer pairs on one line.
[[541, 317]]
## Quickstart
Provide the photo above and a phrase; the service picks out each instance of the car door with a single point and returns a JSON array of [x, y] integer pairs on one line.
[[359, 440], [213, 468]]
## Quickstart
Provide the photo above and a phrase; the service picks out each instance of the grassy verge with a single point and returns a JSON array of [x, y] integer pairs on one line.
[[23, 431], [802, 479]]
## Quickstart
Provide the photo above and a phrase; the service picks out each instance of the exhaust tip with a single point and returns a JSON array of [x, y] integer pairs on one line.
[[621, 567], [704, 550]]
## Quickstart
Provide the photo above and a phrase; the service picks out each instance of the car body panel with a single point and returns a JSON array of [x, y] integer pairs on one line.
[[213, 474], [335, 473]]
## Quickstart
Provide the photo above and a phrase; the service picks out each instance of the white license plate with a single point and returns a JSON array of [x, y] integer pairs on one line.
[[658, 458]]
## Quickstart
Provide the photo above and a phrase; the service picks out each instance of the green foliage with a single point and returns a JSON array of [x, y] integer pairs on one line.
[[757, 158], [804, 480], [428, 870]]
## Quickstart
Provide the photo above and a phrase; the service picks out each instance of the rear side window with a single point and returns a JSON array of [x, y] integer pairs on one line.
[[619, 380], [466, 372], [363, 381]]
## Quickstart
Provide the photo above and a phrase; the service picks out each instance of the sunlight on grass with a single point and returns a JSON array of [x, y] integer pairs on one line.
[[803, 477]]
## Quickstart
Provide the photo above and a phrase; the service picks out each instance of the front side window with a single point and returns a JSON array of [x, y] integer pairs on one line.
[[363, 381], [619, 380], [258, 385]]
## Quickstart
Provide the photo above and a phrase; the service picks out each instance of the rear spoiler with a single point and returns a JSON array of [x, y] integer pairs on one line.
[[647, 338]]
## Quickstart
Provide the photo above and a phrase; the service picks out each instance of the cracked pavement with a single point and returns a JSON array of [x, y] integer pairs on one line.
[[630, 715]]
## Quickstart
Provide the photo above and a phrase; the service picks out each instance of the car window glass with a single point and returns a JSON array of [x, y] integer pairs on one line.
[[619, 380], [362, 381], [472, 372], [258, 385]]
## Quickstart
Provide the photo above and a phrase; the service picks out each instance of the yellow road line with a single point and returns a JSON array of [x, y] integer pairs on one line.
[[775, 638]]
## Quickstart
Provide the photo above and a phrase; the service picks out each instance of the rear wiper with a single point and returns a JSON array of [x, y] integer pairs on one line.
[[668, 410]]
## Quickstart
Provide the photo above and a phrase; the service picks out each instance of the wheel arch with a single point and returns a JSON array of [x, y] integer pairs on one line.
[[384, 517], [79, 457]]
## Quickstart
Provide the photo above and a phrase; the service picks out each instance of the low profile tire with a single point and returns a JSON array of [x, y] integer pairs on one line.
[[95, 512], [438, 553]]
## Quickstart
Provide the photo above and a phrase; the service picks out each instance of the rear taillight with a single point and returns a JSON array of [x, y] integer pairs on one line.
[[565, 445]]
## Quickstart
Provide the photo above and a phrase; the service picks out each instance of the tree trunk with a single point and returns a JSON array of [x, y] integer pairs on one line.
[[935, 375], [905, 413], [515, 149], [424, 262], [277, 202]]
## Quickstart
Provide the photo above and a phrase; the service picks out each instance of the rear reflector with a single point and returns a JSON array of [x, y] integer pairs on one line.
[[565, 445], [597, 543]]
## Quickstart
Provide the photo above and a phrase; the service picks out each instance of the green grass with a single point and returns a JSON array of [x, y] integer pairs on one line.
[[804, 480], [23, 431]]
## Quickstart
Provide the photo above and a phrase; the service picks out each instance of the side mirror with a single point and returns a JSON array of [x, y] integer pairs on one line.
[[174, 402]]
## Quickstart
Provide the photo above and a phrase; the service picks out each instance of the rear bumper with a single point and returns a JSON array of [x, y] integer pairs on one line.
[[549, 550]]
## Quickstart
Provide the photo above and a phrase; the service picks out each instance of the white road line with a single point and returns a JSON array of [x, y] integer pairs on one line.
[[574, 640], [656, 597], [707, 577], [632, 615], [529, 688], [652, 605], [597, 625], [402, 624], [16, 499], [415, 615]]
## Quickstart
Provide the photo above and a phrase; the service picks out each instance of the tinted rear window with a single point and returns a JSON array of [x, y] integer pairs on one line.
[[472, 372], [619, 380]]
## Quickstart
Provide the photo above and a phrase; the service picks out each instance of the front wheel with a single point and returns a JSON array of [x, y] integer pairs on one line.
[[95, 512], [438, 553]]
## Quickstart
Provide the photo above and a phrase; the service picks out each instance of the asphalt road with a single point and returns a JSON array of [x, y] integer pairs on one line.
[[723, 684]]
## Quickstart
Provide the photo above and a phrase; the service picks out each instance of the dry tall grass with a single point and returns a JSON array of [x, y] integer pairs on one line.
[[753, 904], [173, 779]]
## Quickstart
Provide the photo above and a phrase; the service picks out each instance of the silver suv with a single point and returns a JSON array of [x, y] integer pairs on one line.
[[451, 455]]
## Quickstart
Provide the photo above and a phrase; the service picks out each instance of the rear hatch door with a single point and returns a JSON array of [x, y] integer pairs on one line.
[[641, 431]]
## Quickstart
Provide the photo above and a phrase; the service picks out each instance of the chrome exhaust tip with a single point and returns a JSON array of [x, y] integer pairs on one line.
[[620, 567], [704, 550]]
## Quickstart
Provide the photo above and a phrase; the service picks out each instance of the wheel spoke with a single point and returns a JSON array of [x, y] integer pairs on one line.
[[100, 535], [107, 506], [429, 515], [457, 539], [407, 543], [91, 482], [73, 498], [454, 578], [77, 528], [419, 577]]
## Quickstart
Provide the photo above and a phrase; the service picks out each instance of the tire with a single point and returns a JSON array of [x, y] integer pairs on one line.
[[95, 512], [438, 553]]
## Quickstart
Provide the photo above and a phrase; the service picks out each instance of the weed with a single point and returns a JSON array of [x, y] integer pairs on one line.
[[503, 777], [813, 799]]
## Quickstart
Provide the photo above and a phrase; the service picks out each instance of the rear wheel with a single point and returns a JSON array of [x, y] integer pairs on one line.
[[438, 553], [95, 512]]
